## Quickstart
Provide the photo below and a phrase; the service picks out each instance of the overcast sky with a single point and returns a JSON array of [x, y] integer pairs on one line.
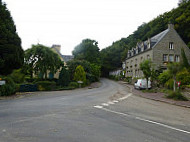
[[68, 22]]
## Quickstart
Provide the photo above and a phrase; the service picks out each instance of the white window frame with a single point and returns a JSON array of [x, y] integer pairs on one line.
[[171, 45]]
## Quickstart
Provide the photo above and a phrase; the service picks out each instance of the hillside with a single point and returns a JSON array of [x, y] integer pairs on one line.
[[113, 55]]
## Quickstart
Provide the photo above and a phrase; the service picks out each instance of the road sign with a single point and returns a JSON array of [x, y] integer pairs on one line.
[[2, 82]]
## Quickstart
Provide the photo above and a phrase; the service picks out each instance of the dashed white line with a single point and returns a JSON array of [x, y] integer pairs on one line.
[[123, 98], [111, 103], [146, 120], [98, 107], [104, 104]]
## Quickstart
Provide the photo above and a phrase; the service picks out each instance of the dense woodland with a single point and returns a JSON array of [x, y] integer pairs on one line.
[[113, 55]]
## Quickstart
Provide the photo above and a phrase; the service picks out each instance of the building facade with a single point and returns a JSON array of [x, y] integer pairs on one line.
[[161, 49], [64, 58]]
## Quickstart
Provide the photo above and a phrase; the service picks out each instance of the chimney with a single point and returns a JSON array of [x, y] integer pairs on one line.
[[170, 26], [57, 47]]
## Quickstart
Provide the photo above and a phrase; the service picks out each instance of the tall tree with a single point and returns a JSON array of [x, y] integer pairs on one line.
[[87, 50], [11, 53], [64, 77], [174, 68], [146, 67], [184, 61], [41, 59], [80, 74]]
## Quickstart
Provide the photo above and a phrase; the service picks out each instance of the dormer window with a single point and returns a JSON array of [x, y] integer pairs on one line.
[[171, 46]]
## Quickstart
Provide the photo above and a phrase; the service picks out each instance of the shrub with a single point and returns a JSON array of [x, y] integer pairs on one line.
[[184, 77], [177, 96], [64, 77], [91, 77], [46, 85], [169, 84], [28, 88], [74, 84], [17, 76], [80, 74], [65, 88], [9, 88], [164, 77]]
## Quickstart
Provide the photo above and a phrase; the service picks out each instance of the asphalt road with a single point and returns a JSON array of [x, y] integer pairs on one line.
[[109, 113]]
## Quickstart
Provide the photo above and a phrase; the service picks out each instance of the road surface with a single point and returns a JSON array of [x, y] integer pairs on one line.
[[109, 113]]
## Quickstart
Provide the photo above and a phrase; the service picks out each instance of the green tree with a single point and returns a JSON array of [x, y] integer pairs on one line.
[[87, 50], [80, 74], [64, 77], [184, 61], [174, 68], [72, 65], [11, 53], [146, 67], [41, 59]]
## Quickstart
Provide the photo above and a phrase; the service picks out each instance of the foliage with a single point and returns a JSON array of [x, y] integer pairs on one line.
[[17, 76], [95, 71], [80, 74], [40, 59], [72, 65], [170, 84], [184, 77], [64, 77], [46, 85], [113, 55], [177, 95], [74, 84], [28, 88], [184, 61], [87, 50], [173, 69], [9, 88], [164, 77], [11, 53], [146, 67]]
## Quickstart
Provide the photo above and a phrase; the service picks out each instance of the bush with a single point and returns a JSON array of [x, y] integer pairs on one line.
[[9, 88], [28, 88], [65, 88], [164, 77], [128, 79], [184, 77], [64, 77], [73, 84], [169, 84], [17, 76], [177, 96], [91, 77], [46, 85]]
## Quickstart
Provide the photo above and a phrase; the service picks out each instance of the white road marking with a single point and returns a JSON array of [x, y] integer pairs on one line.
[[125, 97], [115, 101], [146, 120], [98, 107], [104, 104], [111, 103]]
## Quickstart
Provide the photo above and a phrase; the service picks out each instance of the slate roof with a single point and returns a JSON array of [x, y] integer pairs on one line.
[[153, 41]]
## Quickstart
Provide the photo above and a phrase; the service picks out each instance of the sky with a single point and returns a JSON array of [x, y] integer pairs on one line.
[[68, 22]]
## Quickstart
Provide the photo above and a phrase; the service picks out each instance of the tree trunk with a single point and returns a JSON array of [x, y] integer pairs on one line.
[[174, 84]]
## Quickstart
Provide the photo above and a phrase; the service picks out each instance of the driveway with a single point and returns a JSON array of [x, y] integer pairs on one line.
[[109, 113]]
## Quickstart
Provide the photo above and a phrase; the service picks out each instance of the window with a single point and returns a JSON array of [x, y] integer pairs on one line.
[[171, 46], [177, 59], [171, 58], [148, 56], [165, 57]]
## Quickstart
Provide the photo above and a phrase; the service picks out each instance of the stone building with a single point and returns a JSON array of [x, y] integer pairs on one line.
[[161, 49], [64, 58]]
